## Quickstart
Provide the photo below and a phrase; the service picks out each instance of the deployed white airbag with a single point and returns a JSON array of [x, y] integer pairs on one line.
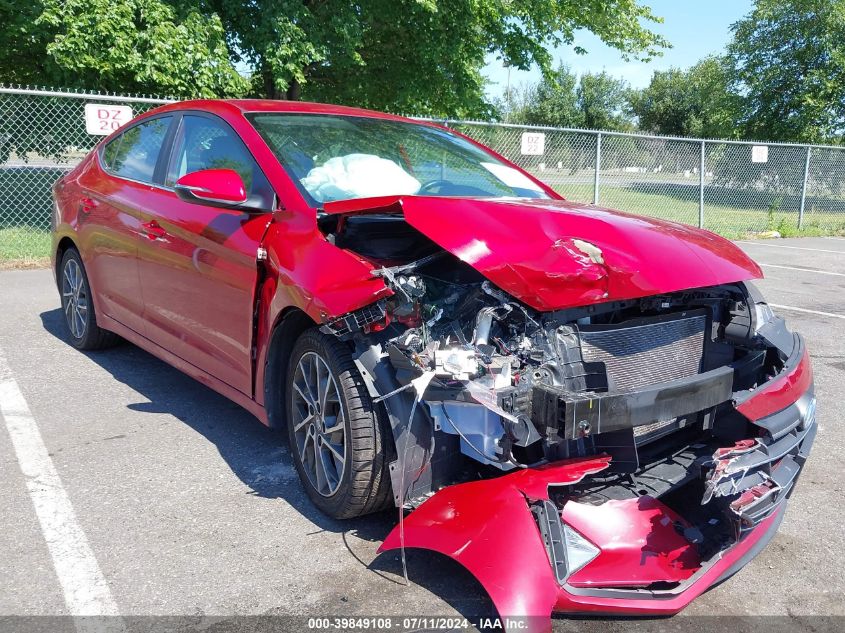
[[358, 176]]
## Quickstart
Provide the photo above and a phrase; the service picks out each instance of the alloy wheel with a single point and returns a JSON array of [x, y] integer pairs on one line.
[[75, 297], [319, 423]]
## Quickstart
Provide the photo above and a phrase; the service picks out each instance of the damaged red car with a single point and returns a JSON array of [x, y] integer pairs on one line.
[[591, 411]]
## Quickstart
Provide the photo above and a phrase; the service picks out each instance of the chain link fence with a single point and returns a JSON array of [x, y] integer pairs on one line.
[[42, 135], [730, 187], [734, 188]]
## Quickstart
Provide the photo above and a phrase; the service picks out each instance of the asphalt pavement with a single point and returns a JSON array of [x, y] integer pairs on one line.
[[189, 506]]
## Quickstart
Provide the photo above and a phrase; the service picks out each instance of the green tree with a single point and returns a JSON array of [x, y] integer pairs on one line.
[[421, 56], [141, 45], [789, 61], [128, 46], [23, 58], [597, 101], [603, 102], [552, 101], [696, 102]]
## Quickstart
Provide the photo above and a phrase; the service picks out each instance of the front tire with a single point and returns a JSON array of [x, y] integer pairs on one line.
[[338, 437], [78, 307]]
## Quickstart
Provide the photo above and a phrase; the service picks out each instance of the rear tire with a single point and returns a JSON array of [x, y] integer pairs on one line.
[[77, 306], [339, 438]]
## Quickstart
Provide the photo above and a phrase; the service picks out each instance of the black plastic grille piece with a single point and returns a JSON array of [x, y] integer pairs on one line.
[[354, 321]]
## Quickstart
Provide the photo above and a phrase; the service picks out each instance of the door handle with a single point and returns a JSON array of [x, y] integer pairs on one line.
[[153, 230]]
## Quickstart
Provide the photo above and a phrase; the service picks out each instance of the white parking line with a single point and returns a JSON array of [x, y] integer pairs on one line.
[[794, 309], [795, 248], [803, 270], [85, 588]]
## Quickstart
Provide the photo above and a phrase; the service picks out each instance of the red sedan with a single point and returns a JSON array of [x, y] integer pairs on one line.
[[591, 411]]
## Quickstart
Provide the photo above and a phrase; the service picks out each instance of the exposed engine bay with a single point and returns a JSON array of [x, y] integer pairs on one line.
[[477, 383]]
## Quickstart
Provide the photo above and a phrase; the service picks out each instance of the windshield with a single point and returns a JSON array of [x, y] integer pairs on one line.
[[343, 157]]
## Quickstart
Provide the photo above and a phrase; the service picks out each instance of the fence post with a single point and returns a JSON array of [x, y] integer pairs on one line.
[[598, 167], [804, 188], [701, 189]]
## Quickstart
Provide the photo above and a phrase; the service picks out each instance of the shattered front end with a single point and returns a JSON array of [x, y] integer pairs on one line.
[[616, 457]]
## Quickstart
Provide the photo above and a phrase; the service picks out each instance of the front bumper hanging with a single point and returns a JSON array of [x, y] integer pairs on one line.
[[634, 556]]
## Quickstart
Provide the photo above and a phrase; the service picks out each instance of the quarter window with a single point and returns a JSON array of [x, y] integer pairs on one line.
[[134, 153], [110, 152]]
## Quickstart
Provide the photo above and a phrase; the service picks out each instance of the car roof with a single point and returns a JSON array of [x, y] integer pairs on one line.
[[270, 105]]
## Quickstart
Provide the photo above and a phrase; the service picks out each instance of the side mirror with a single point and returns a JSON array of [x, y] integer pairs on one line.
[[213, 187]]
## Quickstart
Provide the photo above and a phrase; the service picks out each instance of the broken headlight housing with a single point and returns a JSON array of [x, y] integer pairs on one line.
[[760, 311]]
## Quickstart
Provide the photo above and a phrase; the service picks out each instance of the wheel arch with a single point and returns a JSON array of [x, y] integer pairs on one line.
[[290, 324], [65, 244]]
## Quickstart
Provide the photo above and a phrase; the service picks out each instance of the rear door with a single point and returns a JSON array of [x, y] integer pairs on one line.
[[109, 223], [198, 264]]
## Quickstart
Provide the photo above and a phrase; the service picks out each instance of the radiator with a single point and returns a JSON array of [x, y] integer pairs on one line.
[[646, 352]]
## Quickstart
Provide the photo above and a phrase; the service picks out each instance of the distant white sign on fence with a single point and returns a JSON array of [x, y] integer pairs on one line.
[[533, 143], [759, 153], [103, 119]]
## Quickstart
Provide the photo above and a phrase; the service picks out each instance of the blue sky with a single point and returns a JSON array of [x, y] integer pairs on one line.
[[694, 28]]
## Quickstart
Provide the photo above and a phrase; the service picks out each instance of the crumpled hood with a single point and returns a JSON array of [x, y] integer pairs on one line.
[[554, 254]]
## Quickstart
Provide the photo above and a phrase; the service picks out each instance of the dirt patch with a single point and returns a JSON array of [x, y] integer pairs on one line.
[[25, 264]]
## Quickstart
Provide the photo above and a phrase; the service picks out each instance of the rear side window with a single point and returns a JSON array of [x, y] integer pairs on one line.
[[206, 143], [134, 153], [110, 151]]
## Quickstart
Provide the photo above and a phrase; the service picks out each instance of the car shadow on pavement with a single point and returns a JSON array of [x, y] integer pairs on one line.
[[259, 457]]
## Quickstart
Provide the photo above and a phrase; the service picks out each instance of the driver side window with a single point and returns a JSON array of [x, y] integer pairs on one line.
[[204, 143]]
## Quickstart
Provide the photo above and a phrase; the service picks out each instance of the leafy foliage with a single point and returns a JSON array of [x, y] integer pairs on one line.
[[789, 63], [781, 79], [23, 58], [422, 56], [603, 101], [597, 101], [696, 102], [552, 101], [150, 46], [141, 45]]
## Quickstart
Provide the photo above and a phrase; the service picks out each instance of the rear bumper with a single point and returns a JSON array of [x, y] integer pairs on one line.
[[646, 564]]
